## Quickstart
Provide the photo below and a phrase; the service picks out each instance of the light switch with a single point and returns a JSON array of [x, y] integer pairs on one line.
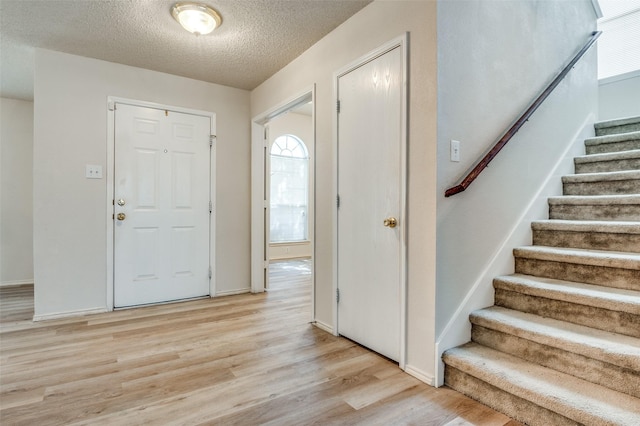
[[93, 172], [455, 151]]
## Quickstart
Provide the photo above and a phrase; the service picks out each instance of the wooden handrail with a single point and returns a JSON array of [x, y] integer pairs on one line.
[[482, 164]]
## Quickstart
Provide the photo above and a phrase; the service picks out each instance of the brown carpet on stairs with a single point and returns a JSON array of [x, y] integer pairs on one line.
[[562, 343]]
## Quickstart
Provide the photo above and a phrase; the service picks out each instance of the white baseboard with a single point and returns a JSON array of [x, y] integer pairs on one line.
[[323, 326], [232, 292], [69, 314], [419, 374], [16, 282]]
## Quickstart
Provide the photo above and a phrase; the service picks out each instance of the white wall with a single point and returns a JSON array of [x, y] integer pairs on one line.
[[376, 24], [16, 192], [70, 131], [619, 96], [299, 125], [494, 57]]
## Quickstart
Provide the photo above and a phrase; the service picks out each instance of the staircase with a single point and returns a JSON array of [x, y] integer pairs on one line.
[[561, 345]]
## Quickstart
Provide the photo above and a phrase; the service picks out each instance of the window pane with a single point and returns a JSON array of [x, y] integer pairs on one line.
[[289, 190], [619, 45]]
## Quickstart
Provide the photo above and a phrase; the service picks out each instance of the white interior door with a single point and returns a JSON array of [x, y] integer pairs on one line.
[[370, 189], [161, 206]]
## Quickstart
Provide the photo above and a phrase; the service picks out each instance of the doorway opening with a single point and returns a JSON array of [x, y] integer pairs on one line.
[[282, 222]]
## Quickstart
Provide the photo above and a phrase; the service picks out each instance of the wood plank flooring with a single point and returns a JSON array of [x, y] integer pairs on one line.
[[236, 360]]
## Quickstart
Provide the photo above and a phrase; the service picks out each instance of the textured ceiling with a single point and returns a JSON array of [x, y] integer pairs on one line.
[[256, 39]]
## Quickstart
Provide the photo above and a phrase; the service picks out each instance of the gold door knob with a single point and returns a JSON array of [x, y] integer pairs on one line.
[[121, 216], [390, 222]]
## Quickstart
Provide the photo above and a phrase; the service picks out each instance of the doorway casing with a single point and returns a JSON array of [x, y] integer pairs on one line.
[[259, 245]]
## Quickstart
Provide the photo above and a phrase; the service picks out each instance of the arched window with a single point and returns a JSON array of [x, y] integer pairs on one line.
[[289, 189]]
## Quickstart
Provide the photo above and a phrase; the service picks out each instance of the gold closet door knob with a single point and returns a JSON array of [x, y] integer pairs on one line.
[[121, 216], [390, 222]]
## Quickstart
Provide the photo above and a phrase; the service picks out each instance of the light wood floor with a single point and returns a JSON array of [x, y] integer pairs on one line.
[[236, 360]]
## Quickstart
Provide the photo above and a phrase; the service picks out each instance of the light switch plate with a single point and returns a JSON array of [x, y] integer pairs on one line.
[[455, 151], [93, 172]]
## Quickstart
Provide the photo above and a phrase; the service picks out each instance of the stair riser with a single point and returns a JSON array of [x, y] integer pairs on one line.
[[613, 212], [587, 240], [603, 148], [614, 130], [608, 166], [593, 370], [515, 407], [588, 274], [616, 187], [590, 316]]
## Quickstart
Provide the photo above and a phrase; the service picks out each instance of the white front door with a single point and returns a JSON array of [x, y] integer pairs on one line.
[[370, 189], [161, 205]]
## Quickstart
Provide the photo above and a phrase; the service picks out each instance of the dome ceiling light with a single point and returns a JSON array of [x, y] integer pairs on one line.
[[197, 18]]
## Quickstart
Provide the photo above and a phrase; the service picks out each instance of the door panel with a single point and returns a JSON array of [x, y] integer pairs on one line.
[[162, 169], [369, 186]]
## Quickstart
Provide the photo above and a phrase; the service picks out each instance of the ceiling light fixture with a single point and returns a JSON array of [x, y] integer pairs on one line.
[[197, 18]]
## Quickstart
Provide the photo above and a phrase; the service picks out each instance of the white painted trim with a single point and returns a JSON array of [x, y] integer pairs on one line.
[[596, 9], [402, 42], [109, 176], [322, 326], [232, 292], [15, 283], [419, 374], [257, 207], [213, 122], [258, 244], [68, 314], [619, 77]]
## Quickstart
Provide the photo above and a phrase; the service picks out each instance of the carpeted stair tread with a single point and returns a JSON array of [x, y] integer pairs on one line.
[[620, 207], [602, 226], [574, 398], [613, 142], [603, 177], [608, 156], [595, 200], [614, 126], [612, 348], [617, 137], [610, 259], [602, 183], [622, 300]]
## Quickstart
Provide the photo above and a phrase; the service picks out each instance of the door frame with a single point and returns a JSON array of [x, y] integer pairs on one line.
[[259, 245], [401, 42], [109, 175]]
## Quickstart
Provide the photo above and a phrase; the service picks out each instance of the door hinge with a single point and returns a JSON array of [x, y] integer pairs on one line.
[[266, 264], [211, 138], [210, 272], [111, 106], [337, 295], [210, 207], [264, 204], [338, 106], [337, 201]]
